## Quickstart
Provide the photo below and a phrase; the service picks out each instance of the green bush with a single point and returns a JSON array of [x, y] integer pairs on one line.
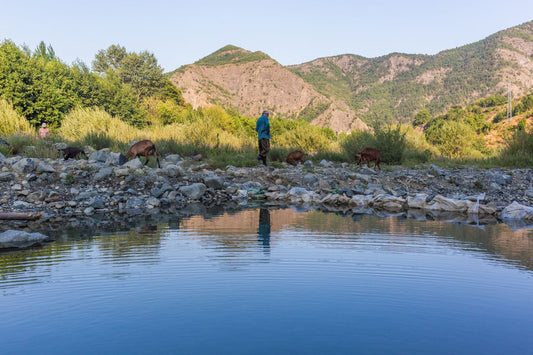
[[454, 139], [355, 142], [391, 142]]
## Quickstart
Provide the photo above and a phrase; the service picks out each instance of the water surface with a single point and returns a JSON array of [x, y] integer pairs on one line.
[[273, 282]]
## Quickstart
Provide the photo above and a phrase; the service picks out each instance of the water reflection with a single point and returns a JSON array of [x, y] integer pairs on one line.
[[263, 231], [242, 238], [219, 282]]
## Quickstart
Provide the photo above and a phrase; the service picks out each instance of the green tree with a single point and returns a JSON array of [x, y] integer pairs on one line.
[[109, 59], [421, 118], [45, 52], [138, 70]]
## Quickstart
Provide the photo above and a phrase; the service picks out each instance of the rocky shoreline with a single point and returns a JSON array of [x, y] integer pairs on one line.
[[104, 184]]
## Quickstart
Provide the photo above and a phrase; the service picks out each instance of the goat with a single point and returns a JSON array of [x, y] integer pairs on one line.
[[368, 155], [294, 157], [145, 148], [73, 152]]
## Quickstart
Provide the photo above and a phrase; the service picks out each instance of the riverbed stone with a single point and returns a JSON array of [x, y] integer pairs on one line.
[[21, 239], [193, 191]]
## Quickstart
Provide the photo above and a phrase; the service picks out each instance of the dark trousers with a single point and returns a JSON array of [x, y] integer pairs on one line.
[[264, 147]]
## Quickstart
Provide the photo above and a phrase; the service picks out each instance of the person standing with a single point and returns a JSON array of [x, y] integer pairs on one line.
[[262, 127], [44, 131]]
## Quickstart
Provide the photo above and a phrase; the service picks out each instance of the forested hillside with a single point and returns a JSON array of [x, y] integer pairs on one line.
[[394, 87]]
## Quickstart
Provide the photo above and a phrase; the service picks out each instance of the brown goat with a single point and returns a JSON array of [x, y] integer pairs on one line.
[[73, 152], [145, 148], [368, 155], [294, 157]]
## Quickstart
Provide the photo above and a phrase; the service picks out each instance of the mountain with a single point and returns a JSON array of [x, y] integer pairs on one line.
[[252, 82], [342, 92]]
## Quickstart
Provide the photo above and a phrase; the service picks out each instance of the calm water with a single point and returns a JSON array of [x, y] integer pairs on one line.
[[274, 282]]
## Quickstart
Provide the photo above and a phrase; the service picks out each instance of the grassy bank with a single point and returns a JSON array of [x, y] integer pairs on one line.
[[227, 140]]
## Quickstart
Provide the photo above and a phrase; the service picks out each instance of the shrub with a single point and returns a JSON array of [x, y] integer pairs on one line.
[[454, 139], [355, 142], [391, 142]]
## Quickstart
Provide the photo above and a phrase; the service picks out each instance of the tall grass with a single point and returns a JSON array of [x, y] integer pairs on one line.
[[519, 150], [11, 123], [83, 122]]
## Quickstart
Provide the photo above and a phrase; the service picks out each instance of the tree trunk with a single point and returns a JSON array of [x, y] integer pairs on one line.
[[21, 215]]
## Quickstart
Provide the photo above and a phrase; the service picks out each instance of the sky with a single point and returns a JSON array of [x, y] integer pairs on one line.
[[291, 32]]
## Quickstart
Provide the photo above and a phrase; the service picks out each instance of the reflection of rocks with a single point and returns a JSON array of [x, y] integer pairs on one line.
[[102, 185]]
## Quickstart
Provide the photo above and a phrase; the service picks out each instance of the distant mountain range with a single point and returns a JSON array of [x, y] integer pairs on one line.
[[347, 91]]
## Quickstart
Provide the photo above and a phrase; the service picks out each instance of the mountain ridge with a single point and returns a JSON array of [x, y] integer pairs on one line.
[[348, 91]]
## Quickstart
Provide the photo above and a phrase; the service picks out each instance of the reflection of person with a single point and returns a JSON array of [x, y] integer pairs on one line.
[[44, 131], [263, 231], [262, 128]]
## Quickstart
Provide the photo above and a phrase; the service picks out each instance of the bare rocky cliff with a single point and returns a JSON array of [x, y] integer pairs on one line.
[[265, 84]]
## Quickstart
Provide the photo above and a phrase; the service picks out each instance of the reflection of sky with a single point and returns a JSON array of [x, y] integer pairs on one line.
[[377, 285]]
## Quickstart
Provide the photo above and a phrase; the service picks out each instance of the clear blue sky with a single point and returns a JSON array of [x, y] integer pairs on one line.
[[291, 32]]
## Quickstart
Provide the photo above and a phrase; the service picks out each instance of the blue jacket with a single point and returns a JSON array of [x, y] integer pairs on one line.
[[262, 127]]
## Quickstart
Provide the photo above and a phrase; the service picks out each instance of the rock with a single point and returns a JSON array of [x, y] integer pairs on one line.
[[134, 164], [214, 182], [115, 159], [517, 211], [103, 173], [172, 159], [25, 165], [7, 177], [193, 191], [45, 168], [99, 156], [21, 239]]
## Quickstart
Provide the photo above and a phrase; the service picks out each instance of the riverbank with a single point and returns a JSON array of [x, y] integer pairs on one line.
[[101, 185]]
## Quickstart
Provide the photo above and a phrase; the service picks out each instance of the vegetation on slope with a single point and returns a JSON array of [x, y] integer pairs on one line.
[[231, 55], [379, 91]]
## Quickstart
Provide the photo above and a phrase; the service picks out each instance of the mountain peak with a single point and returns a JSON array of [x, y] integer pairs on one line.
[[231, 54]]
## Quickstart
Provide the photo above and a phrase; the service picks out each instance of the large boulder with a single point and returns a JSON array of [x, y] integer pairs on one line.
[[193, 191], [517, 211], [20, 239]]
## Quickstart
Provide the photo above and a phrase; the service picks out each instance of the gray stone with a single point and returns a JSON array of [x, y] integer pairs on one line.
[[25, 165], [193, 191], [501, 179], [156, 192], [96, 202], [99, 156], [153, 202], [134, 164], [133, 203], [214, 182], [172, 159], [45, 168], [6, 177], [172, 170], [103, 173], [21, 239], [115, 159]]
